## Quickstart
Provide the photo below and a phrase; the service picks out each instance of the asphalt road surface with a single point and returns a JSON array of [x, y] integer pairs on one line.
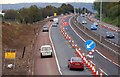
[[44, 66], [108, 67], [64, 52], [99, 31]]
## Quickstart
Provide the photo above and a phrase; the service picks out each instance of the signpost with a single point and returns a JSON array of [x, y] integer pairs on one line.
[[90, 45], [9, 57], [55, 14]]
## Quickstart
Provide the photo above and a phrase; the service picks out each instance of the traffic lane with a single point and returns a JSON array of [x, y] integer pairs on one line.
[[100, 58], [44, 66], [102, 30], [104, 41], [84, 18], [82, 46], [107, 66], [88, 25], [64, 52], [104, 50]]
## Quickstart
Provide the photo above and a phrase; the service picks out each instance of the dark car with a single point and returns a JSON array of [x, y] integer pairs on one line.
[[45, 29], [51, 20], [110, 35], [75, 63]]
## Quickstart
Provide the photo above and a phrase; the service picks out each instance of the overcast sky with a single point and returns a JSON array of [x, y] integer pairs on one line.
[[28, 1]]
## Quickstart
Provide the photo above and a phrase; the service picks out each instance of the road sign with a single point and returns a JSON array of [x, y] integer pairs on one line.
[[65, 23], [90, 45], [10, 55], [55, 14], [10, 58]]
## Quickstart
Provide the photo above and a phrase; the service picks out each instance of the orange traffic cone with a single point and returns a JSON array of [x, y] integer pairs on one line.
[[73, 44]]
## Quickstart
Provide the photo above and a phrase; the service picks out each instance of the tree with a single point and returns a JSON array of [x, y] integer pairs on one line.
[[10, 14], [110, 11]]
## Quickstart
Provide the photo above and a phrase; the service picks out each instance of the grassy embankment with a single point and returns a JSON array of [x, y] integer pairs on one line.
[[16, 36], [114, 22]]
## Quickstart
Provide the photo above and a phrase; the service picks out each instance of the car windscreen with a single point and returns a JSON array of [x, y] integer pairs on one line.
[[46, 48], [76, 60], [110, 33], [45, 27]]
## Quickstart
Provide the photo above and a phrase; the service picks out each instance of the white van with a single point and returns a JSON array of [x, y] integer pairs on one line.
[[46, 50]]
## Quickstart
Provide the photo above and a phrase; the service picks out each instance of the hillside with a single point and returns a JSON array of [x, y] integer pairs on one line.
[[17, 36]]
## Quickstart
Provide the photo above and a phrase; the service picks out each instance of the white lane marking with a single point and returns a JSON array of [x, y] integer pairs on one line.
[[112, 43], [103, 55], [105, 40], [103, 71], [77, 33], [97, 41], [35, 49], [54, 52]]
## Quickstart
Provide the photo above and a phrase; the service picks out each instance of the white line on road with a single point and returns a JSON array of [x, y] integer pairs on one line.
[[105, 39], [103, 45], [78, 34], [54, 52]]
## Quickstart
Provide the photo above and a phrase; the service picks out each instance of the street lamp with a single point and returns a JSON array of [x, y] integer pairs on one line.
[[100, 20], [74, 8]]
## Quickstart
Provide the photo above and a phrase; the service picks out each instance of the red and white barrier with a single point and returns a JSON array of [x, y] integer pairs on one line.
[[101, 72]]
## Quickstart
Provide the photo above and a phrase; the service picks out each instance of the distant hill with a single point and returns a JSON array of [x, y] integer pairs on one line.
[[26, 5]]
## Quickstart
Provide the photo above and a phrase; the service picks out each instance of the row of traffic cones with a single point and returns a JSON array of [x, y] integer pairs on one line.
[[89, 64], [67, 37]]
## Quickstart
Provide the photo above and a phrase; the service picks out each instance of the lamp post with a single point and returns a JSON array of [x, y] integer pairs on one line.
[[100, 20], [74, 10]]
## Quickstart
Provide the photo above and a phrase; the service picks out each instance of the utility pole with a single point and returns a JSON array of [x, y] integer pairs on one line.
[[74, 10], [100, 21]]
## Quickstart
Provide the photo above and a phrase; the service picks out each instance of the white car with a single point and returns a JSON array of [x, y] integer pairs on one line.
[[95, 23], [82, 15], [45, 29], [54, 25], [84, 22], [46, 50]]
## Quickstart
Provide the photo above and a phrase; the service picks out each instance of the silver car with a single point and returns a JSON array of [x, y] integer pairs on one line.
[[45, 29], [110, 35]]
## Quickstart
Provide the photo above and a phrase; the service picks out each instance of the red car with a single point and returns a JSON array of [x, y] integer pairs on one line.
[[75, 63]]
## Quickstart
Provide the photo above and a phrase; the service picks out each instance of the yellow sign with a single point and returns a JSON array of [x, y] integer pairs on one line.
[[10, 55], [55, 14]]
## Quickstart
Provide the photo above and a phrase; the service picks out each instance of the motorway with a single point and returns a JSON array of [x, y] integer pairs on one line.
[[101, 31], [64, 52], [99, 60], [110, 48], [44, 66]]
